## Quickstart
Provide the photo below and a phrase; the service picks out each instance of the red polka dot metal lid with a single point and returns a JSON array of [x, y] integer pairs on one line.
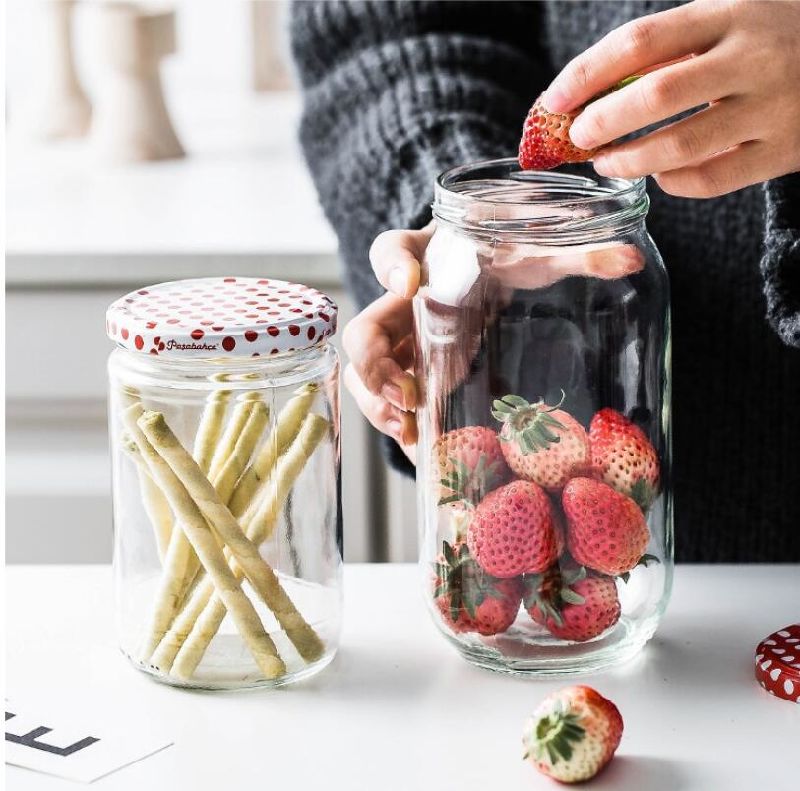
[[221, 316], [778, 663]]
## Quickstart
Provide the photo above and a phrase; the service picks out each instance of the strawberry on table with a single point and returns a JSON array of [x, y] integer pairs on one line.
[[468, 463], [573, 734], [624, 457], [513, 531], [541, 443], [469, 599], [572, 604], [606, 530]]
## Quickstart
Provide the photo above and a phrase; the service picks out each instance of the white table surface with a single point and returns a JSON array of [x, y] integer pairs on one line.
[[399, 710]]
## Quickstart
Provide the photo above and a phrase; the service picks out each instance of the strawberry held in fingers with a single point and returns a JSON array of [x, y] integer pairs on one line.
[[541, 443], [469, 599], [606, 530], [624, 457], [572, 604], [468, 463], [545, 142], [513, 531], [572, 734]]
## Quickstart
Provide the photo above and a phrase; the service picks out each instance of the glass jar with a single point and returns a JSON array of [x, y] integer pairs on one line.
[[543, 356], [224, 425]]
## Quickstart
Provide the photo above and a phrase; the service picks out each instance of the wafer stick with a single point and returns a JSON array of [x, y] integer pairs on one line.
[[258, 572], [198, 532], [306, 641], [206, 450], [225, 479], [155, 504], [287, 426], [210, 428], [226, 444]]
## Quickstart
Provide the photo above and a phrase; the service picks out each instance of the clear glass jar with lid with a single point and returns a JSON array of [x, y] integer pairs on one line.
[[543, 356], [224, 425]]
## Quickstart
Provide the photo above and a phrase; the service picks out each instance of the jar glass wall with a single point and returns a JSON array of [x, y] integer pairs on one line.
[[227, 518], [544, 455]]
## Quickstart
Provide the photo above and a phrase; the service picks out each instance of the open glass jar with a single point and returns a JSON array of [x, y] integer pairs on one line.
[[224, 424], [543, 343]]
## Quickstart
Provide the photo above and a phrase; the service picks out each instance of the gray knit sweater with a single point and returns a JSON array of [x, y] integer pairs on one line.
[[396, 92]]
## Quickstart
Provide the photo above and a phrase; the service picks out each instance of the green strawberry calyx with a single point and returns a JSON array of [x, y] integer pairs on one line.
[[550, 591], [530, 425], [470, 485], [553, 735], [645, 560], [465, 584]]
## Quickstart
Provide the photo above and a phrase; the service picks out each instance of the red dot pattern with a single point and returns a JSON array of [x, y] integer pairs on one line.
[[211, 317]]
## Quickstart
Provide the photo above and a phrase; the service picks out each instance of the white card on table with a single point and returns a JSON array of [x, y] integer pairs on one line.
[[76, 741]]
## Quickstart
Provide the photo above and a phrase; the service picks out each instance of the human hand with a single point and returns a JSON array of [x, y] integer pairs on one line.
[[739, 57], [379, 341]]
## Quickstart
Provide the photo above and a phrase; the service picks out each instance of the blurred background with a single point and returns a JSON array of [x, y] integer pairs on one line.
[[148, 142]]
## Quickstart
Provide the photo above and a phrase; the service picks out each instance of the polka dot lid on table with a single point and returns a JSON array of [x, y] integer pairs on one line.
[[220, 317], [778, 663]]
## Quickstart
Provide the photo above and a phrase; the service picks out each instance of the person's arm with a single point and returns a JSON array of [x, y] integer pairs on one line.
[[780, 264], [396, 92]]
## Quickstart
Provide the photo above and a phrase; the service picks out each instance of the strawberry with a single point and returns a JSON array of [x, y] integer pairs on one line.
[[573, 734], [623, 456], [606, 530], [546, 143], [513, 531], [468, 463], [469, 599], [541, 443], [571, 604]]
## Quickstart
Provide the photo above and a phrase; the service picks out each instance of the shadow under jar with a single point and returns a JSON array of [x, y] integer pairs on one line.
[[224, 424], [543, 355]]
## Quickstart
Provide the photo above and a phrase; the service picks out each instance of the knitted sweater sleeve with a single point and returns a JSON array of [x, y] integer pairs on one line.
[[396, 92], [780, 264]]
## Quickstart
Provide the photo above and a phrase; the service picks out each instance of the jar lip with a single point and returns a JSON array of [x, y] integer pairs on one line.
[[496, 197]]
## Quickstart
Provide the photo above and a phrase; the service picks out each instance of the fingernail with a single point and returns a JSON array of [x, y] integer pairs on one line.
[[393, 394], [398, 281], [394, 427], [555, 100], [580, 136]]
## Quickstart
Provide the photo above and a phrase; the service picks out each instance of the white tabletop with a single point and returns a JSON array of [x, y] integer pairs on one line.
[[399, 710]]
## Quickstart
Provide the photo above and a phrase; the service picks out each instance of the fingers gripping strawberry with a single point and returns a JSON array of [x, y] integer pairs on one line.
[[541, 443], [546, 143], [469, 599]]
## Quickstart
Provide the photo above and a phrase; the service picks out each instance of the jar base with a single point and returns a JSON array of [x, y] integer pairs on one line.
[[536, 660], [234, 684]]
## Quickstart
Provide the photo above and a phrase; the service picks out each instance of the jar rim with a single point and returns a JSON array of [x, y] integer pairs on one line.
[[496, 198]]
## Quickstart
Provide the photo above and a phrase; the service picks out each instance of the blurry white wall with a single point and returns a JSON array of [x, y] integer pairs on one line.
[[81, 232]]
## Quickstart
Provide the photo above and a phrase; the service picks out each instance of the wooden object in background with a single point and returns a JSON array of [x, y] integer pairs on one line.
[[62, 110], [131, 119], [270, 46]]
